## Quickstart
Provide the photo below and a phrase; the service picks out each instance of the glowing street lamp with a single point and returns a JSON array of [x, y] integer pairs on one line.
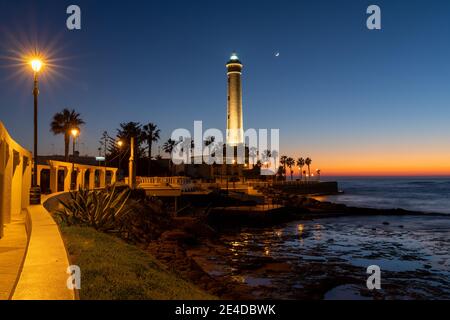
[[35, 192], [36, 65]]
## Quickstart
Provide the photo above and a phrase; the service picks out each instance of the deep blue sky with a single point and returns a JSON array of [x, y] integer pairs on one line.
[[338, 91]]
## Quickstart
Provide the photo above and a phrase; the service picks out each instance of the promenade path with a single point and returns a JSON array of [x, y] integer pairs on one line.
[[12, 251]]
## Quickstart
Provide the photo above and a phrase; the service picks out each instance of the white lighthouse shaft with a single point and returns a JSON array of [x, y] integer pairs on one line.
[[235, 129]]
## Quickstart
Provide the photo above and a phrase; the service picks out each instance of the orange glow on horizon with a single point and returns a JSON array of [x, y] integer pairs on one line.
[[394, 163]]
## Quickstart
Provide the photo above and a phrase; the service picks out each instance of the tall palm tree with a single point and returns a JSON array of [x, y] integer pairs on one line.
[[62, 123], [151, 134], [283, 162], [209, 143], [301, 164], [168, 147], [290, 163], [275, 156], [253, 154], [308, 162], [266, 155]]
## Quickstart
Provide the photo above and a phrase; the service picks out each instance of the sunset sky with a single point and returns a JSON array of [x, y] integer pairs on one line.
[[357, 102]]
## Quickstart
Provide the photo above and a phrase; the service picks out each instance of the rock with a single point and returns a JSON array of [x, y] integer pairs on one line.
[[386, 223], [278, 267], [177, 235]]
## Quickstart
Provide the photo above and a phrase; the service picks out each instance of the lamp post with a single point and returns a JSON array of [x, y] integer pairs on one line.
[[35, 191], [120, 145], [75, 132], [131, 166]]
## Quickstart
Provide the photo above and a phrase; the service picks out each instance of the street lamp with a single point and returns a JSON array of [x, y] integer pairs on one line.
[[120, 145], [35, 191], [74, 132]]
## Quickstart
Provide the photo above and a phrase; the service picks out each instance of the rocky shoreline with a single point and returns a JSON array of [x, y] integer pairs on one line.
[[200, 249]]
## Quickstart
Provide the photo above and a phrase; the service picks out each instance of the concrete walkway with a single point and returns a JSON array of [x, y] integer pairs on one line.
[[44, 274], [12, 251]]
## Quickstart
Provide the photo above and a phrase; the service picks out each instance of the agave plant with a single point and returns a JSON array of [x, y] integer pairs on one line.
[[100, 209]]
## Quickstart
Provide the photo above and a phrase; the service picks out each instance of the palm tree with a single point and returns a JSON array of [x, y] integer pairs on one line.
[[209, 142], [151, 134], [283, 162], [290, 163], [266, 155], [253, 154], [187, 145], [275, 156], [301, 164], [280, 171], [62, 123], [168, 147], [308, 162]]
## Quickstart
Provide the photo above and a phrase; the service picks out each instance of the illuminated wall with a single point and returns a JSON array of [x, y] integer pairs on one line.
[[15, 178]]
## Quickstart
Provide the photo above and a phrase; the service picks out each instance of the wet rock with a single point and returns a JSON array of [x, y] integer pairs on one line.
[[278, 267], [178, 236]]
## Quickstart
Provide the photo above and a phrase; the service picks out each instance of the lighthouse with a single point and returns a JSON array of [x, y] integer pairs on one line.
[[235, 128]]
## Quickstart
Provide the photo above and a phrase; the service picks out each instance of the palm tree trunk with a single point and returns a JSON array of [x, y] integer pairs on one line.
[[149, 157], [66, 146]]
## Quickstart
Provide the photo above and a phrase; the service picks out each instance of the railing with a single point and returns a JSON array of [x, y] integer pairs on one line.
[[183, 183], [164, 180], [296, 182], [15, 178]]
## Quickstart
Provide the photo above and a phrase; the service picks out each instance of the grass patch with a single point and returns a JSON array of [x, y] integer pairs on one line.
[[114, 270]]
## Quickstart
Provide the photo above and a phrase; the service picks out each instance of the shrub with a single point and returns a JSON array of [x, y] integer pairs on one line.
[[100, 209]]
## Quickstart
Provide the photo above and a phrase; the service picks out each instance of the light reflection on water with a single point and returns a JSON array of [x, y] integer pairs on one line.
[[396, 244]]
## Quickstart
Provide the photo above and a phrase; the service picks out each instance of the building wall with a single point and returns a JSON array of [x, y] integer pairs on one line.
[[15, 177]]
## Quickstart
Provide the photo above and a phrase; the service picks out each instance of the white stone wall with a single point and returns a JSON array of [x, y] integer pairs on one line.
[[15, 177]]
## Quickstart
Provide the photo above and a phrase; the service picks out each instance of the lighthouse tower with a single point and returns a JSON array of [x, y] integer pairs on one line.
[[235, 128]]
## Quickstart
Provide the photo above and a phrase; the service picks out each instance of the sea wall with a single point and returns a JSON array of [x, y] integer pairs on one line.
[[329, 187]]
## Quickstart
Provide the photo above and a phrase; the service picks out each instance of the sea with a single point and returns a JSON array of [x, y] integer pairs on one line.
[[431, 195], [328, 258]]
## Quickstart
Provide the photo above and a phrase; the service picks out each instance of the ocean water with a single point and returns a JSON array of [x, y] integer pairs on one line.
[[418, 194], [328, 258]]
